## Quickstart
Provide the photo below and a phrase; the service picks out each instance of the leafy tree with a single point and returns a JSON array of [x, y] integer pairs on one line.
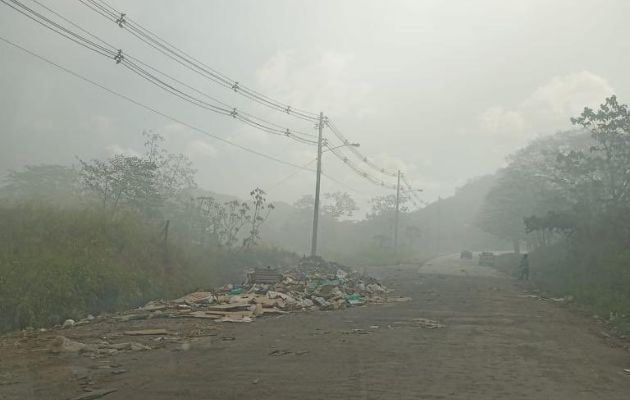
[[174, 171], [334, 205], [305, 202], [142, 183], [260, 212], [339, 204], [121, 181], [530, 185], [222, 223], [386, 205], [607, 164]]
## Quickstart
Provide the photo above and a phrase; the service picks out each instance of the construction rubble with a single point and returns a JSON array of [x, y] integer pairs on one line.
[[313, 284]]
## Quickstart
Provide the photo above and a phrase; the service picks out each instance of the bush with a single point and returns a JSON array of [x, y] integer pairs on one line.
[[58, 263]]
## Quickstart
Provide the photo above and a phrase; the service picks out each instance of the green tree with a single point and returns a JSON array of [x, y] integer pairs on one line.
[[339, 204]]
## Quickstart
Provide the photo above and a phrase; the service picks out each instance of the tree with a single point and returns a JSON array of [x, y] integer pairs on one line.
[[121, 181], [607, 163], [222, 223], [386, 205], [174, 171], [339, 204], [260, 212], [334, 205], [530, 185], [306, 202], [143, 183]]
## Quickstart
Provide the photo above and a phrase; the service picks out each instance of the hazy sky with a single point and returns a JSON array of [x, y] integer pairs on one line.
[[443, 90]]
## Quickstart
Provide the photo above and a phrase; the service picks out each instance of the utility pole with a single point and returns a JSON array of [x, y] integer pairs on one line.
[[317, 182], [397, 212]]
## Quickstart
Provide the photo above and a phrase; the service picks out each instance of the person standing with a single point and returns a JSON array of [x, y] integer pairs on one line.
[[524, 266]]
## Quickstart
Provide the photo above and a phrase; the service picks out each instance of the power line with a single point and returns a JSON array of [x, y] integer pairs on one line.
[[128, 62], [124, 59], [60, 30], [166, 48], [149, 108], [352, 165], [152, 39], [357, 153]]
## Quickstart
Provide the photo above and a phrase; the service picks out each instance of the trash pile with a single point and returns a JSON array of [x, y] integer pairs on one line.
[[313, 284]]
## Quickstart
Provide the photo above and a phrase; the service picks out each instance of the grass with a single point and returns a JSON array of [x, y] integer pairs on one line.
[[58, 263], [596, 276]]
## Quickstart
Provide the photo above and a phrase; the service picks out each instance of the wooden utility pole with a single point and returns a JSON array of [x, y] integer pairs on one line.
[[317, 182], [397, 212]]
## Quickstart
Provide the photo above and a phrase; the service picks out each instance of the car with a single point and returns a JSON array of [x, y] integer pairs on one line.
[[466, 255], [486, 258]]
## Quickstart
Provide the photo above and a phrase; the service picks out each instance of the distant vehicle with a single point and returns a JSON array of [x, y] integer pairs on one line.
[[486, 259], [466, 255]]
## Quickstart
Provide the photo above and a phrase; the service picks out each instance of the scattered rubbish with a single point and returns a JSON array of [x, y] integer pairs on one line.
[[278, 352], [131, 317], [235, 291], [627, 370], [147, 332], [398, 299], [132, 346], [264, 276], [118, 371], [228, 338], [69, 323], [95, 394], [255, 381], [201, 314], [236, 319], [313, 284], [62, 344], [195, 298], [427, 323]]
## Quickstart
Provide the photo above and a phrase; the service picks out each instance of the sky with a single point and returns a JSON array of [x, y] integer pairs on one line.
[[443, 91]]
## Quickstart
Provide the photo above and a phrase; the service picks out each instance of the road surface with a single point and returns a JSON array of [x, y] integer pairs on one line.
[[493, 342]]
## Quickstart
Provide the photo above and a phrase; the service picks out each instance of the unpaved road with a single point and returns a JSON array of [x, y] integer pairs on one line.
[[496, 343]]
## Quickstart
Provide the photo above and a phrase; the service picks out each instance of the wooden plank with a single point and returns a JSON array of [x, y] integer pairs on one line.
[[147, 332], [227, 307]]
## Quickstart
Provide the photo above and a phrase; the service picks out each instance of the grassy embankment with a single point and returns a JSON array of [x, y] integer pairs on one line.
[[58, 263], [596, 277]]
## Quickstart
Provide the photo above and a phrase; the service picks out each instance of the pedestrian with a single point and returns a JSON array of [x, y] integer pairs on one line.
[[524, 266]]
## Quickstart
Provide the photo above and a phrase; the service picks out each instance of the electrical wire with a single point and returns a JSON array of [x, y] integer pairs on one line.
[[357, 153], [247, 118], [149, 108], [168, 49]]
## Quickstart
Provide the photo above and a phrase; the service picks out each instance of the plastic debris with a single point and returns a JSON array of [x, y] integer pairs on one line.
[[313, 284], [62, 344], [69, 323], [95, 394]]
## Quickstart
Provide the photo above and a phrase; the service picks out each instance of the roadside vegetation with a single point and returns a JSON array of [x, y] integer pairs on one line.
[[568, 198], [114, 233]]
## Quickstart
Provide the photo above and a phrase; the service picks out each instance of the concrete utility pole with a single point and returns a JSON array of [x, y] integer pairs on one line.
[[397, 212], [317, 182]]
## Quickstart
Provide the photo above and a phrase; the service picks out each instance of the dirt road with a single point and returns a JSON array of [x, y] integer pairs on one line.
[[495, 342]]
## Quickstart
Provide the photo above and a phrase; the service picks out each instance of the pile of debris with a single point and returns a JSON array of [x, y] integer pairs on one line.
[[313, 284]]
